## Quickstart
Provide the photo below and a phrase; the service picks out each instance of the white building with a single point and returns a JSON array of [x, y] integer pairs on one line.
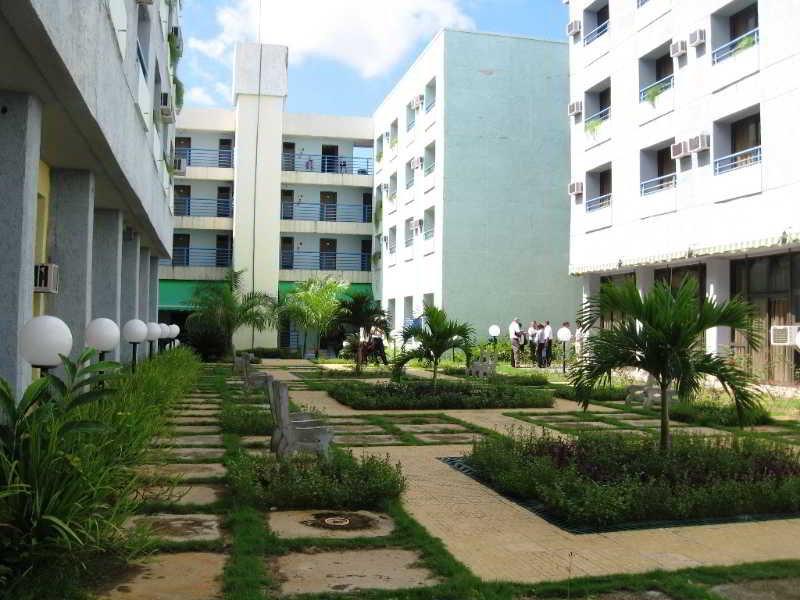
[[682, 153]]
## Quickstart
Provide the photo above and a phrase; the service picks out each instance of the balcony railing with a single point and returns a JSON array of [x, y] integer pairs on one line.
[[429, 107], [410, 181], [595, 33], [392, 247], [429, 168], [206, 157], [599, 116], [323, 163], [326, 261], [748, 40], [203, 207], [739, 160], [641, 3], [598, 202], [199, 257], [410, 124], [652, 91], [409, 240], [140, 59], [342, 213], [427, 234], [651, 186]]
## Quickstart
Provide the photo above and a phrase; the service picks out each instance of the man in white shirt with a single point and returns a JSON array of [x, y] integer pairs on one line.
[[533, 333], [514, 331], [548, 341]]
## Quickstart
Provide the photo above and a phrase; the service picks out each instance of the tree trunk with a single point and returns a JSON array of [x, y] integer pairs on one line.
[[435, 369], [305, 339], [359, 355], [665, 435]]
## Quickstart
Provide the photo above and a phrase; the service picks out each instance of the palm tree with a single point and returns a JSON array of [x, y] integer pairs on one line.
[[314, 305], [360, 312], [434, 336], [227, 307], [661, 333]]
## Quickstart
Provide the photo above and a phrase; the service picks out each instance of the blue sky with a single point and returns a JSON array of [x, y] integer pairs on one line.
[[345, 55]]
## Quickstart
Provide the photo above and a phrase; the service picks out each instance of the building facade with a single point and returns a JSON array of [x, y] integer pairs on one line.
[[87, 104], [682, 155]]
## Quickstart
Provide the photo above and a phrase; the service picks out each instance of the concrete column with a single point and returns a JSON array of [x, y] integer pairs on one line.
[[129, 301], [144, 284], [20, 139], [154, 288], [107, 268], [645, 277], [590, 286], [718, 289], [71, 224]]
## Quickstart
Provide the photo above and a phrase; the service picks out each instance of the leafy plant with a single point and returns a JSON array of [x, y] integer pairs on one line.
[[179, 91], [175, 51], [592, 126], [377, 213], [746, 42], [379, 155], [360, 312], [653, 93], [661, 333], [242, 419], [314, 306]]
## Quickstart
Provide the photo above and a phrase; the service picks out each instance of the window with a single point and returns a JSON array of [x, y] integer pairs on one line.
[[734, 32], [737, 143], [392, 239], [657, 169], [393, 186], [390, 312], [597, 105], [744, 21], [746, 133], [430, 95], [656, 73], [393, 133], [409, 232], [596, 23], [378, 149], [599, 189], [143, 39], [428, 223], [411, 116], [409, 174], [429, 161]]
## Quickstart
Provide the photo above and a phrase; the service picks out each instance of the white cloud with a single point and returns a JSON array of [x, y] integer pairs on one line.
[[199, 96], [369, 36], [223, 91]]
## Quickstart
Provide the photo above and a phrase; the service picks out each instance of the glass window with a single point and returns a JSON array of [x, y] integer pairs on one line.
[[744, 21], [758, 281], [779, 273]]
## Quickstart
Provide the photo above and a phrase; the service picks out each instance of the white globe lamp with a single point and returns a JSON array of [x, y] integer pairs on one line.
[[103, 335], [164, 330], [174, 332], [134, 332], [153, 333], [43, 340], [494, 330], [564, 335]]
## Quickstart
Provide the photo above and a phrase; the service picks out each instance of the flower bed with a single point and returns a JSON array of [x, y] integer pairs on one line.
[[602, 480]]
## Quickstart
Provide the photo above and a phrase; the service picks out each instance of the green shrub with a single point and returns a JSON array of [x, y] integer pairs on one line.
[[272, 352], [337, 481], [528, 379], [416, 394], [601, 479], [242, 419], [709, 413], [207, 338], [606, 394]]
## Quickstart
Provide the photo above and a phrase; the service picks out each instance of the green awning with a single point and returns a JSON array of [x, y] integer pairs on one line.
[[174, 294], [287, 287]]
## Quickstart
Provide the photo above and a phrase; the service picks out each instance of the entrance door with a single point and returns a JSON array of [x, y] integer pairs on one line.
[[225, 154], [327, 254], [327, 206], [183, 149], [224, 201], [223, 258], [180, 249], [366, 254], [288, 158], [182, 203], [366, 202], [287, 204], [330, 159], [287, 253]]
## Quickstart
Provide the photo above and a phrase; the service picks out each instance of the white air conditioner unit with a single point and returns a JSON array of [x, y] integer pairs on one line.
[[575, 108], [416, 103], [679, 150], [700, 143], [179, 165], [385, 187], [45, 278], [697, 38], [677, 49], [576, 188], [388, 135], [167, 110], [416, 162], [783, 335], [574, 28]]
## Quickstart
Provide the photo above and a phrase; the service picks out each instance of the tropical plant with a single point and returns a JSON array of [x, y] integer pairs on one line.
[[360, 312], [652, 93], [314, 306], [377, 213], [746, 42], [592, 126], [661, 333], [227, 306], [433, 336]]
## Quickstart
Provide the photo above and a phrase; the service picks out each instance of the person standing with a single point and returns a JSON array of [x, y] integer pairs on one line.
[[540, 345], [548, 342], [514, 331], [532, 332], [376, 335]]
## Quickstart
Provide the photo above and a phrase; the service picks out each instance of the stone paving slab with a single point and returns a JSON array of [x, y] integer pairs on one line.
[[357, 428], [194, 453], [196, 412], [185, 495], [154, 578], [584, 425], [306, 524], [768, 589], [365, 440], [195, 429], [186, 441], [770, 429], [449, 438], [351, 571], [285, 363], [254, 440], [180, 528], [197, 420], [430, 427], [184, 471], [196, 406], [708, 431]]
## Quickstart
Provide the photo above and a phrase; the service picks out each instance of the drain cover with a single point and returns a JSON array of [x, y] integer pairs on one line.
[[337, 521], [345, 521]]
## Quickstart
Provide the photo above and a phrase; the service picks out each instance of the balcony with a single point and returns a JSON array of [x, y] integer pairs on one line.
[[325, 261], [595, 33], [735, 60], [739, 160], [206, 157], [392, 254], [735, 46], [199, 257], [738, 175], [410, 181], [429, 168], [318, 163], [661, 196], [203, 207], [598, 213], [597, 127], [428, 245], [408, 249], [656, 99], [598, 202], [338, 213]]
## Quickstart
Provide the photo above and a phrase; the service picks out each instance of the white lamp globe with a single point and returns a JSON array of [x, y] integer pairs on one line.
[[174, 331], [134, 331], [164, 330], [43, 338], [102, 334], [177, 342], [153, 332], [494, 330], [564, 334]]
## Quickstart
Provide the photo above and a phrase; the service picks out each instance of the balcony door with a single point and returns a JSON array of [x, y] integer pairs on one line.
[[225, 153], [287, 204], [180, 249], [330, 159], [287, 161], [604, 180], [366, 202], [181, 202], [327, 206], [223, 250], [744, 21], [327, 254], [224, 201], [746, 133], [366, 254], [183, 147], [287, 253]]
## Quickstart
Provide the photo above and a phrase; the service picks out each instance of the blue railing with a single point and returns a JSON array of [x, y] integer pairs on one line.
[[600, 115], [203, 207], [323, 163], [199, 257], [206, 157], [392, 247], [748, 40], [598, 202], [641, 3], [309, 211], [745, 158], [427, 234], [429, 107], [410, 181], [429, 168], [651, 186], [658, 87], [140, 59], [595, 33], [409, 240], [326, 261], [410, 124]]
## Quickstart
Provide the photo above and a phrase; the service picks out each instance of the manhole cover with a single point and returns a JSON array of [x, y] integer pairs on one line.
[[342, 521]]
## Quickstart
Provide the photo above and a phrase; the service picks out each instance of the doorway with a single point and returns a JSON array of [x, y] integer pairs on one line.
[[225, 160], [330, 158], [287, 204], [223, 258], [181, 203], [287, 159], [287, 253], [327, 254], [366, 254], [183, 149], [327, 206], [224, 201], [366, 202], [180, 249]]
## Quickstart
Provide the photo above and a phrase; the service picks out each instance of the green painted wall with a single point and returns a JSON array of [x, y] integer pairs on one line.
[[174, 294]]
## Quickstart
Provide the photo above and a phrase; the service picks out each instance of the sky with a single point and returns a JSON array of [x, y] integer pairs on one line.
[[344, 55]]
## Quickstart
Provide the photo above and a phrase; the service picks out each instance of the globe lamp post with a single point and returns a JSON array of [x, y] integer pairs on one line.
[[134, 332], [43, 340]]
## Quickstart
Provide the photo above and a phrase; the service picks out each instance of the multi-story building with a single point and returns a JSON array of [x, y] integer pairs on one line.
[[682, 155], [471, 159], [87, 102]]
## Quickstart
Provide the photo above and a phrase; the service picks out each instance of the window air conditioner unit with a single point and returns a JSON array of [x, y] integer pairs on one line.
[[167, 111], [45, 278], [574, 28], [697, 38], [679, 150], [385, 187], [784, 335], [677, 49], [416, 162], [575, 108], [416, 103], [179, 166], [388, 135], [576, 188], [700, 143]]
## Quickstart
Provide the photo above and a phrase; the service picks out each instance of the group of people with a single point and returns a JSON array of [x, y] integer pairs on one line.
[[539, 337]]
